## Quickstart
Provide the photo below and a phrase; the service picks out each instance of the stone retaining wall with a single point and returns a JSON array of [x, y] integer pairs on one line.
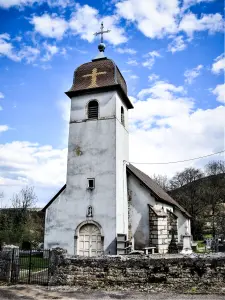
[[5, 265], [170, 272]]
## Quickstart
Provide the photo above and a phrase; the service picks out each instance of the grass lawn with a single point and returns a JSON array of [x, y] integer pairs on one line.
[[35, 263]]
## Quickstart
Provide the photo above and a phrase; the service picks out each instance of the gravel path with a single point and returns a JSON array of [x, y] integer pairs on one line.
[[31, 292]]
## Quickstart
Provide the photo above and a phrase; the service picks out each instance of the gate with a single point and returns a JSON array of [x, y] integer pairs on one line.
[[30, 267]]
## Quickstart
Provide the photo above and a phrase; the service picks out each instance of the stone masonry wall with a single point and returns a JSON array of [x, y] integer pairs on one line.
[[5, 266], [170, 272], [158, 235]]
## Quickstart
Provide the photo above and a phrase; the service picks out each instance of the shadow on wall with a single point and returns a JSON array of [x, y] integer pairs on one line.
[[140, 238], [111, 249]]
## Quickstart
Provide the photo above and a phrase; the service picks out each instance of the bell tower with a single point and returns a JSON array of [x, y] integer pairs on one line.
[[94, 202]]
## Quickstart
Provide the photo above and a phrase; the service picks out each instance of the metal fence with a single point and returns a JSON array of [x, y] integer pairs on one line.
[[30, 266]]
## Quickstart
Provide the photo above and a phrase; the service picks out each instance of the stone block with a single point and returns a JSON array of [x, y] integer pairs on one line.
[[162, 222], [155, 241], [163, 231]]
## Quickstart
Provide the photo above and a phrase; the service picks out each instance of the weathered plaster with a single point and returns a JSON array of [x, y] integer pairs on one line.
[[103, 148], [139, 199], [182, 223], [122, 157]]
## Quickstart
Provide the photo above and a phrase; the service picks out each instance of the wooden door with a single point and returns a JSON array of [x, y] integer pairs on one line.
[[90, 243]]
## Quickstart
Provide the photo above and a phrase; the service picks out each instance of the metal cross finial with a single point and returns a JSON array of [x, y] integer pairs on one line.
[[102, 31]]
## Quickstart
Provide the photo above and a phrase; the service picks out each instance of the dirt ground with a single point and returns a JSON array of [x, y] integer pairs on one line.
[[31, 292]]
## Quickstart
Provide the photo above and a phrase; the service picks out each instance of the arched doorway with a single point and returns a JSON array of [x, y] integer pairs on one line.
[[90, 241]]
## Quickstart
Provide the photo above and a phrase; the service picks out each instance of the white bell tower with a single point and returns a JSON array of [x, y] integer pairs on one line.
[[94, 204]]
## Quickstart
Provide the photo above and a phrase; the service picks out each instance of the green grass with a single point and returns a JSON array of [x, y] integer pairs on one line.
[[36, 263], [208, 236], [201, 244]]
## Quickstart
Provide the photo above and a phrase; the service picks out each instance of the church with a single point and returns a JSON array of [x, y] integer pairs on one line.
[[107, 205]]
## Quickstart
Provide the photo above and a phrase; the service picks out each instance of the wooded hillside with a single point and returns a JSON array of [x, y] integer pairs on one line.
[[202, 194]]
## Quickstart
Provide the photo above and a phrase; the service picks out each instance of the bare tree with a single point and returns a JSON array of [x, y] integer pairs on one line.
[[189, 196], [25, 199], [20, 223], [162, 181], [215, 167], [187, 176], [213, 194]]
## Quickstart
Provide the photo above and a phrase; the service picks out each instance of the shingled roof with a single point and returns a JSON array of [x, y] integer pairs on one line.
[[155, 189], [97, 76]]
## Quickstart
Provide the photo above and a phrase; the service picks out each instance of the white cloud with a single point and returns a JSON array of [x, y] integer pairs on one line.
[[29, 54], [151, 59], [6, 47], [153, 77], [35, 164], [51, 50], [148, 63], [189, 3], [26, 53], [3, 127], [79, 24], [166, 126], [60, 3], [42, 166], [154, 18], [153, 53], [219, 91], [126, 50], [157, 18], [22, 3], [86, 20], [9, 3], [132, 62], [134, 77], [177, 44], [161, 89], [219, 64], [211, 22], [190, 75], [49, 26]]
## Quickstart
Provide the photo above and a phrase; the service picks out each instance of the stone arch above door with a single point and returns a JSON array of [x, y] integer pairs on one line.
[[89, 239]]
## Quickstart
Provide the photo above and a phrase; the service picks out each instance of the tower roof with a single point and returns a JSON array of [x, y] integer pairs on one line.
[[101, 74], [96, 76]]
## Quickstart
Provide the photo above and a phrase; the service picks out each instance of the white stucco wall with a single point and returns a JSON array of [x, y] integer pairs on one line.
[[122, 157], [182, 223], [104, 146], [140, 198]]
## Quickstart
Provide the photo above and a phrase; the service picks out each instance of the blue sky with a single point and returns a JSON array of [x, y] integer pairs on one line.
[[170, 53]]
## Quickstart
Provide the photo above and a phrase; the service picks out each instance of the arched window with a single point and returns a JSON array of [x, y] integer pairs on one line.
[[122, 116], [93, 109]]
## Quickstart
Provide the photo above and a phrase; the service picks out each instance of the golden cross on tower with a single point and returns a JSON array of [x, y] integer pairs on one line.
[[102, 31], [93, 76]]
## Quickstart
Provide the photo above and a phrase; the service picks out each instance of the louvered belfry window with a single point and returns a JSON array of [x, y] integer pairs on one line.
[[93, 110]]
